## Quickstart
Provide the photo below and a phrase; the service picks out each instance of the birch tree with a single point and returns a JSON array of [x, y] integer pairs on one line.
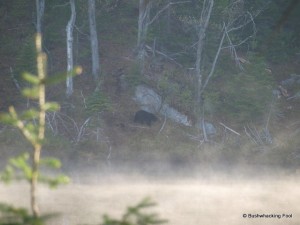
[[143, 24], [145, 21], [69, 30], [94, 40], [236, 19], [201, 32]]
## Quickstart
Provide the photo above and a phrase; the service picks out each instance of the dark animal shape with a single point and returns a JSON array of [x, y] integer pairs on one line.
[[144, 117]]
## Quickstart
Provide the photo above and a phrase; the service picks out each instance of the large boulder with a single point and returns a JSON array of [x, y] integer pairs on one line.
[[150, 101], [174, 115]]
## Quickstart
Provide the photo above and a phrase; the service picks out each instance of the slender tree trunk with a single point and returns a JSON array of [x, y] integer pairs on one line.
[[143, 23], [201, 29], [40, 8], [94, 40], [168, 19], [41, 67], [69, 30]]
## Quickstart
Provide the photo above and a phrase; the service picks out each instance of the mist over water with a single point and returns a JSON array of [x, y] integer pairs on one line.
[[184, 197]]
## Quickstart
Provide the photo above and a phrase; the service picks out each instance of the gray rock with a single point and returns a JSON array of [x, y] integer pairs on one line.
[[209, 127], [174, 115], [150, 101]]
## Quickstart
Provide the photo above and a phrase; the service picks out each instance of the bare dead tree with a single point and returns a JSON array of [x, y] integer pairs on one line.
[[143, 24], [70, 66], [145, 21], [94, 40], [233, 23]]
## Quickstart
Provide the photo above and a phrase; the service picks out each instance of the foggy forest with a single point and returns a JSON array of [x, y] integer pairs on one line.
[[137, 112]]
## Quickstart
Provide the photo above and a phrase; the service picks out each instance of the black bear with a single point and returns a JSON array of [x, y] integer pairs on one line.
[[144, 117]]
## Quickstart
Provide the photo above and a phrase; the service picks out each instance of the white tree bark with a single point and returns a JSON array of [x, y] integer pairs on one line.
[[69, 30], [40, 8], [201, 29], [94, 40], [201, 32], [230, 26], [143, 23]]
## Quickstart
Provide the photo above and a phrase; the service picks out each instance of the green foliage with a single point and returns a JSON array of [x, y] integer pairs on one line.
[[60, 77], [278, 30], [135, 216], [241, 96], [19, 163], [134, 76], [246, 96], [20, 216], [56, 18], [16, 24], [26, 58], [19, 168], [175, 91], [282, 47], [166, 87], [98, 102]]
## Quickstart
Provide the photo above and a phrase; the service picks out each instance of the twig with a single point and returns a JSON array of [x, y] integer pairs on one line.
[[84, 102], [214, 62], [162, 127], [254, 134], [165, 8], [163, 54], [228, 128], [249, 135], [81, 131], [14, 79], [63, 5]]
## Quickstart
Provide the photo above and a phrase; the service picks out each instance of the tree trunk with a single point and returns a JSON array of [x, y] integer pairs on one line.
[[201, 29], [40, 8], [69, 30], [168, 19], [144, 17], [94, 40], [41, 67]]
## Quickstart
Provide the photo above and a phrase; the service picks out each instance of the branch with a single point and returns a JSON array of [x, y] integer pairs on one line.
[[63, 5], [165, 8], [244, 24], [233, 131], [162, 127], [84, 101], [20, 124], [15, 80], [81, 131], [233, 51], [215, 61], [205, 13], [232, 46], [249, 135], [236, 45], [163, 54]]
